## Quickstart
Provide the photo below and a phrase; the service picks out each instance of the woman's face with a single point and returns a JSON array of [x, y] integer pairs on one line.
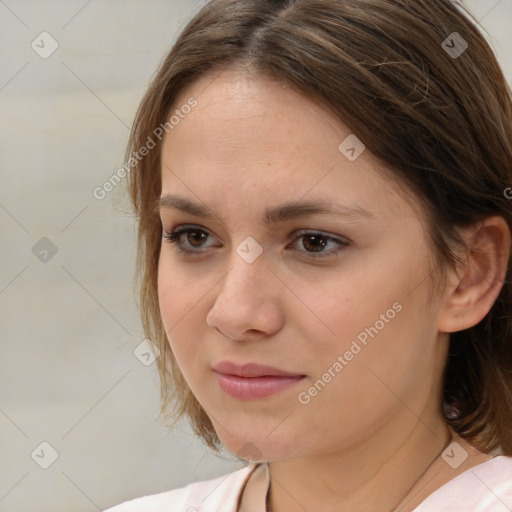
[[335, 303]]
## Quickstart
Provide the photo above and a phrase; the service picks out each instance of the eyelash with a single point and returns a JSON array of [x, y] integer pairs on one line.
[[180, 248]]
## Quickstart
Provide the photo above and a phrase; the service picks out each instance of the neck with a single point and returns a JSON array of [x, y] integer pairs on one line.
[[379, 472]]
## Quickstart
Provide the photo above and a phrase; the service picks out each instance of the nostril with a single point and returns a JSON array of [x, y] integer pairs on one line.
[[225, 334]]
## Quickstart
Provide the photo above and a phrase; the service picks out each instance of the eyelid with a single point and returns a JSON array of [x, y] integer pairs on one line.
[[191, 252], [183, 228], [297, 232], [302, 232]]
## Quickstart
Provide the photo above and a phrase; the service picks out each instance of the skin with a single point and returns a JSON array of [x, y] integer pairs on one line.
[[252, 144]]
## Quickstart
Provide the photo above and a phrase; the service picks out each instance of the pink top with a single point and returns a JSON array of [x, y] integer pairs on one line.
[[486, 487]]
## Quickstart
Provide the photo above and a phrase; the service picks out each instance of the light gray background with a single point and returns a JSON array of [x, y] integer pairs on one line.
[[69, 326]]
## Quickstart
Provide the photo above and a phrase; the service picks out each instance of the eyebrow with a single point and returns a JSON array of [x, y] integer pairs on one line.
[[273, 215]]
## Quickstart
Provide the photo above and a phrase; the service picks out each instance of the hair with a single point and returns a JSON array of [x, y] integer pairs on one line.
[[442, 124]]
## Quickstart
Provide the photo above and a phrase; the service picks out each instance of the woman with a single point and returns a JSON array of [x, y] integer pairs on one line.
[[324, 237]]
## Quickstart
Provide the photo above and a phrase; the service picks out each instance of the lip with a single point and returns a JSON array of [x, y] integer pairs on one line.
[[251, 370], [253, 381]]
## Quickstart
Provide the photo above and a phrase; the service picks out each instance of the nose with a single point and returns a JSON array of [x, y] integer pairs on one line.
[[248, 304]]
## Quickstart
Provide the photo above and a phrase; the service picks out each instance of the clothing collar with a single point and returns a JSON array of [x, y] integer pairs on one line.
[[496, 473], [253, 494]]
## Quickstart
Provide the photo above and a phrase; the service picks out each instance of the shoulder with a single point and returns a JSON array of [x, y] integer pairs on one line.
[[219, 495], [483, 488]]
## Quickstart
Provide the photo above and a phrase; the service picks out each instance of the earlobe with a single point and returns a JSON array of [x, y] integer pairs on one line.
[[475, 286]]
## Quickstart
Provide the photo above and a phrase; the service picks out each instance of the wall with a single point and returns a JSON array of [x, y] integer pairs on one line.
[[69, 322]]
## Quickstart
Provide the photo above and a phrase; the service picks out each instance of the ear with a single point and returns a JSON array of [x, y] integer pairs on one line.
[[474, 287]]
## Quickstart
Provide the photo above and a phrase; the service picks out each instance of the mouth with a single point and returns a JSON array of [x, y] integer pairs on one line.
[[253, 381]]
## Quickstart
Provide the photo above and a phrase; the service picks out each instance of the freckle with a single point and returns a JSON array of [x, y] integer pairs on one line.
[[269, 164]]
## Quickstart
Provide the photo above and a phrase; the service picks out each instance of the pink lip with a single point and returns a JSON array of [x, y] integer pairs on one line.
[[253, 381]]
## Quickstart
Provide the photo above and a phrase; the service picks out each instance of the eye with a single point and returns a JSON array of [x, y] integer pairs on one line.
[[315, 242], [190, 240], [194, 236]]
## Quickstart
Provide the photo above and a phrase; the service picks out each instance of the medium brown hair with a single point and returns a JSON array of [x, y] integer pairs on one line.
[[441, 122]]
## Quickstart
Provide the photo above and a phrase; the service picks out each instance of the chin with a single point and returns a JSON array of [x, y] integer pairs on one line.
[[260, 446]]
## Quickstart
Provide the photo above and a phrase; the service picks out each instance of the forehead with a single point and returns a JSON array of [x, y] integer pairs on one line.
[[243, 121], [256, 140], [238, 108]]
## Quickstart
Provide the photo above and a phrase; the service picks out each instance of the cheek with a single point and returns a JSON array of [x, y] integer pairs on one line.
[[334, 311], [180, 307], [356, 387], [168, 293], [371, 320]]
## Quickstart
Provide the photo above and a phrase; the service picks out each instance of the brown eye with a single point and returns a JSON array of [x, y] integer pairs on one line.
[[188, 240], [196, 237], [315, 244]]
